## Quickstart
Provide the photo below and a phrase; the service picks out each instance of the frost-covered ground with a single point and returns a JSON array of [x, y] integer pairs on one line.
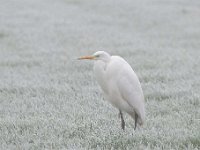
[[49, 100]]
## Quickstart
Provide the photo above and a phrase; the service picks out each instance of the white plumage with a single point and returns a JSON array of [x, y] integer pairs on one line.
[[120, 85]]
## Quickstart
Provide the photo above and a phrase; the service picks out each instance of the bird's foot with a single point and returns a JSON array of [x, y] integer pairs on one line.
[[123, 125]]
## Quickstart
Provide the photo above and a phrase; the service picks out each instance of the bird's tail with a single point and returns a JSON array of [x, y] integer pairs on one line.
[[141, 116]]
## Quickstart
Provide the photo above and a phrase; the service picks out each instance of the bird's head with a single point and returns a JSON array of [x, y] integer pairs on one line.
[[99, 55]]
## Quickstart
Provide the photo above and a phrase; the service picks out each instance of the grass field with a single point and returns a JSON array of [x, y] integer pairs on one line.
[[49, 100]]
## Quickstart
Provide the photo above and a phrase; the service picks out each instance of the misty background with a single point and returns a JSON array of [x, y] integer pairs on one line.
[[49, 100]]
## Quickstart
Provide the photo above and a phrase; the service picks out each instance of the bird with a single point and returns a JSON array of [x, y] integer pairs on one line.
[[120, 85]]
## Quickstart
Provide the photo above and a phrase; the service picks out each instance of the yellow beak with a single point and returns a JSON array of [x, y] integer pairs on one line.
[[86, 57]]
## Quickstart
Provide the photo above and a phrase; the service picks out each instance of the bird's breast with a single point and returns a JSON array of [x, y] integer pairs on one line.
[[100, 74]]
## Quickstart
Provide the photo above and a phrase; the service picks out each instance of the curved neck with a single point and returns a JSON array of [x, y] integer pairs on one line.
[[106, 58]]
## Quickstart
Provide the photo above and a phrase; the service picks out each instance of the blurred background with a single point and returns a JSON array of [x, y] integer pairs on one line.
[[50, 100]]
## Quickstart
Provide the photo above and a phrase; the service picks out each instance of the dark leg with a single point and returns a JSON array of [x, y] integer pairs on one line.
[[136, 118], [122, 120]]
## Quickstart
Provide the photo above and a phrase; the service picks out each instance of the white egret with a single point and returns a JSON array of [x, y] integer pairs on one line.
[[120, 85]]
